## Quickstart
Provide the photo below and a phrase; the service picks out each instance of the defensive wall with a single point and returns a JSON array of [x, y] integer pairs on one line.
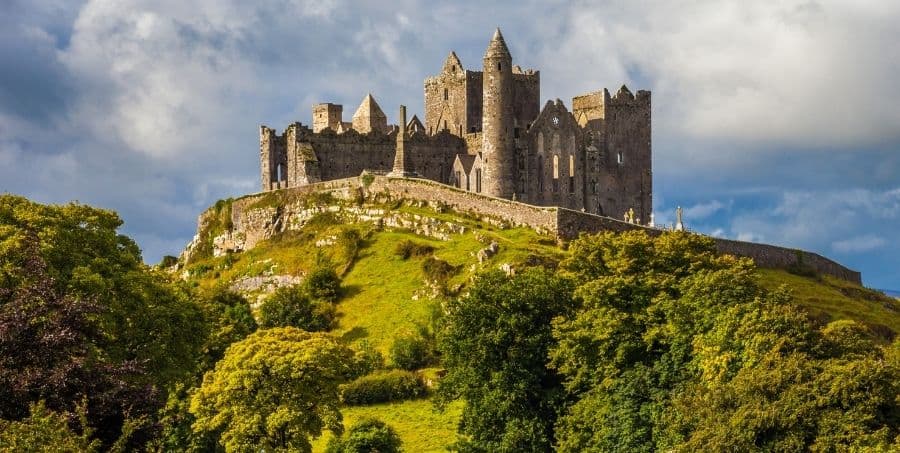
[[564, 224]]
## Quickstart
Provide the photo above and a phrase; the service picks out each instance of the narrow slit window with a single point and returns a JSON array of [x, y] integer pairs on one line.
[[620, 158]]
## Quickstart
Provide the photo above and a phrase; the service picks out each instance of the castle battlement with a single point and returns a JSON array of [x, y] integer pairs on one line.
[[484, 131]]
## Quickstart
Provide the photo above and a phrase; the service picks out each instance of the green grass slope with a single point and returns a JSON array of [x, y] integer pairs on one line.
[[387, 296]]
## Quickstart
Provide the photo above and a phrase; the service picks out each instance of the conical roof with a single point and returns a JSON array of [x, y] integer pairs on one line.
[[369, 108], [497, 46]]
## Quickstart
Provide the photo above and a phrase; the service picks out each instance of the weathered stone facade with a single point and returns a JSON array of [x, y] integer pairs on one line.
[[484, 131]]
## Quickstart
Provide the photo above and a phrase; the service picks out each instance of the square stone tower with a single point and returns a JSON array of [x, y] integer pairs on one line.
[[327, 116]]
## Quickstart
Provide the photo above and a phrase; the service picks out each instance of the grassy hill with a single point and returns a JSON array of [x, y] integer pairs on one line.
[[387, 295]]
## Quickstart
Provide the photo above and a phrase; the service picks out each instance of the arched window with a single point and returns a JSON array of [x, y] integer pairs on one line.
[[446, 94], [540, 172], [555, 173], [571, 173]]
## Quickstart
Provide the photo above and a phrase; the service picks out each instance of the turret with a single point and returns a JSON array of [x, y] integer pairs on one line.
[[498, 145]]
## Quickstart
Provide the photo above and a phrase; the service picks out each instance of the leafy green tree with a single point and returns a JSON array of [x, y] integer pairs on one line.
[[770, 380], [143, 317], [411, 352], [366, 436], [641, 301], [323, 283], [274, 390], [494, 343], [292, 306], [229, 319], [673, 348], [49, 352], [44, 430]]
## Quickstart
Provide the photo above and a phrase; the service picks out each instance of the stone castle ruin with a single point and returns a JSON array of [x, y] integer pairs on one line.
[[484, 132]]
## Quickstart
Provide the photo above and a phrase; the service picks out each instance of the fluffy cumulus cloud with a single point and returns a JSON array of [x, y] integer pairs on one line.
[[773, 120]]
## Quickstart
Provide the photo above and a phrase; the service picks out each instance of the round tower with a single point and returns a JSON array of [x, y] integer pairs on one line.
[[498, 145]]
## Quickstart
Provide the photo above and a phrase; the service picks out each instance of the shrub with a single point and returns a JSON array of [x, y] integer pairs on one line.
[[411, 352], [292, 306], [437, 270], [409, 249], [394, 385], [365, 436], [323, 283], [366, 359]]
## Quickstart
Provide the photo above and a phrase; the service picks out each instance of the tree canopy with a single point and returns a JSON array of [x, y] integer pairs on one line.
[[275, 389]]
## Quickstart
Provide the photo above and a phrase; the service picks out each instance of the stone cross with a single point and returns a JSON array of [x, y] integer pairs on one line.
[[679, 225]]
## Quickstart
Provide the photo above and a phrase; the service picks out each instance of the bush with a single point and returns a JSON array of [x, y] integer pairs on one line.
[[437, 270], [292, 306], [411, 352], [323, 283], [365, 436], [409, 249], [366, 359], [394, 385]]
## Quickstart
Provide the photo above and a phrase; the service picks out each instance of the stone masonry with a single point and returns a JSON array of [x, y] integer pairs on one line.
[[486, 132]]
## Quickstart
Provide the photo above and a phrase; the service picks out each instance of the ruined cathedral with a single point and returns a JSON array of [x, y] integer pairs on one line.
[[485, 132]]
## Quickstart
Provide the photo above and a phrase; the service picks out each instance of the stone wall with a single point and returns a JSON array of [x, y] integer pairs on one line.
[[257, 217]]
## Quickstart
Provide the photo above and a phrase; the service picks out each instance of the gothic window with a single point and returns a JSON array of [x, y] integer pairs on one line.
[[446, 94], [556, 173], [540, 143], [478, 180], [621, 158], [571, 173], [459, 179], [540, 173], [594, 187]]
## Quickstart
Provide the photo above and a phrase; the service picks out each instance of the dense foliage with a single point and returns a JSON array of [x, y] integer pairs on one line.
[[395, 385], [662, 346], [82, 320], [495, 345], [366, 436], [293, 306], [274, 390]]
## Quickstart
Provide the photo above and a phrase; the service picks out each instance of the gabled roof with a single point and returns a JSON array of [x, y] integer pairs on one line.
[[467, 161], [452, 64], [415, 125]]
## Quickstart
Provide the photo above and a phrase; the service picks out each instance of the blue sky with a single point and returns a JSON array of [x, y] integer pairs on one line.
[[773, 121]]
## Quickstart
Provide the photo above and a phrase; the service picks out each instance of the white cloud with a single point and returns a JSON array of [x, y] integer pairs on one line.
[[796, 73], [703, 210], [858, 244]]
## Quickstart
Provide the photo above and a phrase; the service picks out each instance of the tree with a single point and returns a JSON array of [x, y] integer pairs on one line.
[[629, 343], [292, 306], [495, 342], [274, 390], [143, 317], [323, 283], [366, 436], [44, 430], [83, 317], [411, 352], [674, 348], [49, 352], [770, 380]]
